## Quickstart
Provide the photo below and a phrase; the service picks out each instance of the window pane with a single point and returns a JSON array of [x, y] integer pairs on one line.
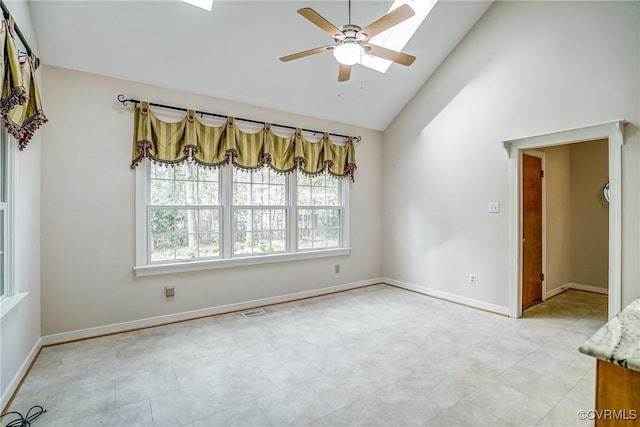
[[318, 228], [260, 194], [277, 195], [184, 192], [278, 240], [241, 193], [276, 178], [241, 175], [261, 187], [208, 174], [184, 233], [208, 221], [207, 193], [333, 196], [259, 230], [162, 192], [333, 237], [304, 195], [319, 190], [161, 172], [184, 184], [208, 245], [318, 196]]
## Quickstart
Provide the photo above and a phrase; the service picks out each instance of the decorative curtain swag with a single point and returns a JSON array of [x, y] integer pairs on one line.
[[23, 120], [20, 103], [13, 91], [191, 140]]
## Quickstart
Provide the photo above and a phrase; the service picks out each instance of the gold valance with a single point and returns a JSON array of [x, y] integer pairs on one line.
[[191, 140], [20, 104]]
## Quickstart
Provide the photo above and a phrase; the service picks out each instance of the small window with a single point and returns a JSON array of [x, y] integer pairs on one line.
[[319, 212], [260, 213], [184, 213]]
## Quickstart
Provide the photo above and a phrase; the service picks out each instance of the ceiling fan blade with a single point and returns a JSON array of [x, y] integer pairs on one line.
[[392, 18], [322, 23], [344, 73], [306, 53], [392, 55]]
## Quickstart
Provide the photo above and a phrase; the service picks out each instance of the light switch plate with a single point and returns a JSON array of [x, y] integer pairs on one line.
[[493, 207]]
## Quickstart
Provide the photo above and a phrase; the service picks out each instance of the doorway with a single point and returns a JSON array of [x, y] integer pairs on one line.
[[612, 131]]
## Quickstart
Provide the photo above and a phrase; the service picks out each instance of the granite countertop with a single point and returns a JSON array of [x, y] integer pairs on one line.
[[618, 341]]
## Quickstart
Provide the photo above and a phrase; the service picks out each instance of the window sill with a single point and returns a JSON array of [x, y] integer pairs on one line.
[[9, 303], [154, 269]]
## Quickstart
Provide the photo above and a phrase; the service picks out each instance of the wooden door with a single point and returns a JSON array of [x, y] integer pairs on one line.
[[531, 230]]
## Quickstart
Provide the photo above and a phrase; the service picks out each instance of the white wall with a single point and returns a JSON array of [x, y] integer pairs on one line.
[[88, 233], [20, 328], [557, 182], [589, 214], [526, 68]]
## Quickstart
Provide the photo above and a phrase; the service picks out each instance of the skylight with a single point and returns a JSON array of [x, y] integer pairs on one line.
[[397, 37], [202, 4]]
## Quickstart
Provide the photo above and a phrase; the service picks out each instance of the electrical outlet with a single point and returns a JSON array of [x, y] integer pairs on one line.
[[336, 268], [169, 292], [472, 279]]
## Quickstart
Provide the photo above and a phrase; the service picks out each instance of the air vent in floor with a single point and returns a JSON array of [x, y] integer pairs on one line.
[[252, 313]]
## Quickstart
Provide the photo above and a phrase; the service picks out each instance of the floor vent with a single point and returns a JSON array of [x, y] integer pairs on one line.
[[252, 313]]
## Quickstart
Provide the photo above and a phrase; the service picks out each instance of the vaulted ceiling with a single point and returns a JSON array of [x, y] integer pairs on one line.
[[232, 52]]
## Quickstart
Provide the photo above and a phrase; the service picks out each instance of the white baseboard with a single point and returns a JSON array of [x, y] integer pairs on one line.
[[449, 297], [15, 381], [588, 288], [187, 315], [556, 291], [577, 286]]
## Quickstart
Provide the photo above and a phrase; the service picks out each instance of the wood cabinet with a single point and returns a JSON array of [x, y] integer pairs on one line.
[[617, 396]]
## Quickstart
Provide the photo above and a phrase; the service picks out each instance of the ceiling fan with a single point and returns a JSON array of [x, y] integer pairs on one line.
[[352, 41]]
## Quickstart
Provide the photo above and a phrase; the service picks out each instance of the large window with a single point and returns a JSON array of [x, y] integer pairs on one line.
[[231, 216], [184, 213]]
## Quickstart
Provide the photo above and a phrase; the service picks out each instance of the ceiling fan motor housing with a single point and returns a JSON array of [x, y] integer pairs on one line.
[[351, 34]]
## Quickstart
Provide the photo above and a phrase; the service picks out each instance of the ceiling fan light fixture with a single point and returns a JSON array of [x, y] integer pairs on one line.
[[348, 53]]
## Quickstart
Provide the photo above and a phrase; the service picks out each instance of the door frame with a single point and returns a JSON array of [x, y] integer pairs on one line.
[[614, 132], [541, 156]]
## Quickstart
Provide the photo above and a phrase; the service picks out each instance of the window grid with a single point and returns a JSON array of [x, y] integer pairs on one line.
[[179, 233], [184, 217], [259, 212], [197, 214], [319, 213]]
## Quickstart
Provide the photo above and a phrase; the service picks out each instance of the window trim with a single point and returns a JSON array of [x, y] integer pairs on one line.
[[143, 268], [11, 298]]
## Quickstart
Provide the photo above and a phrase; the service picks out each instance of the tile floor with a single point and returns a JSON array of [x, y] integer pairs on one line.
[[375, 356]]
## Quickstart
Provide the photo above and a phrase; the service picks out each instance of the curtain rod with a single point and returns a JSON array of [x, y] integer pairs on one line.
[[19, 33], [124, 101]]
